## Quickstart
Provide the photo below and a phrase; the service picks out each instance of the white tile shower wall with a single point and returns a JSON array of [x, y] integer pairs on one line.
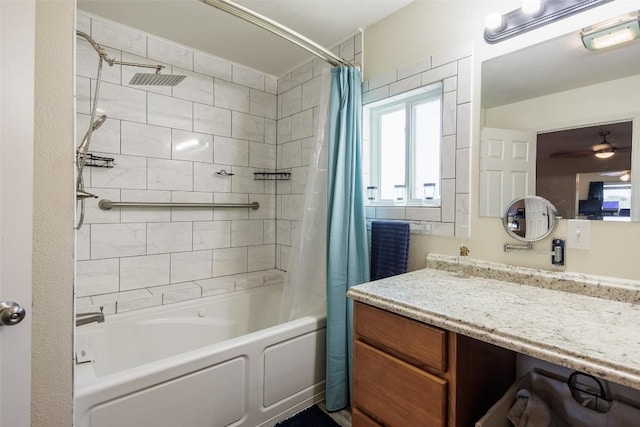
[[453, 68], [168, 144], [297, 111]]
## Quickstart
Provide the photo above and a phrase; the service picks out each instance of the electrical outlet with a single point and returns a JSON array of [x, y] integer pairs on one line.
[[579, 234]]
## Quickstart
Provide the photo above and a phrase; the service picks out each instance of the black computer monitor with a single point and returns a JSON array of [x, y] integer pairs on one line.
[[590, 208]]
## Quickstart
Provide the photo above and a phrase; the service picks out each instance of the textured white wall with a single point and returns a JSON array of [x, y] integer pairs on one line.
[[51, 363]]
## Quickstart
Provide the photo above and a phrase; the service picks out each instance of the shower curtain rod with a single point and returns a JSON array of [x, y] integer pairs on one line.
[[277, 29]]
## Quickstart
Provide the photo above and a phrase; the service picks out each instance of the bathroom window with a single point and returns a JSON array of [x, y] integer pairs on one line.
[[616, 205], [402, 148]]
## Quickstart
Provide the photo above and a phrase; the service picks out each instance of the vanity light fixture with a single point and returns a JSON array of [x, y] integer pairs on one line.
[[611, 33], [533, 14]]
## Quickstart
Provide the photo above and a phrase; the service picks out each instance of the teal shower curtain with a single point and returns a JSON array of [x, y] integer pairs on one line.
[[347, 247]]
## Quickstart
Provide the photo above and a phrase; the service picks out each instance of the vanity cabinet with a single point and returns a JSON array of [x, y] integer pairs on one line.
[[407, 373]]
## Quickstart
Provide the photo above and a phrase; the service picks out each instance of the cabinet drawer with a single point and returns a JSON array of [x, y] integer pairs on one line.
[[395, 392], [419, 344], [359, 419]]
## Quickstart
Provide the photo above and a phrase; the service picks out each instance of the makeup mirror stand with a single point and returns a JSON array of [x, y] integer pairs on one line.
[[531, 219]]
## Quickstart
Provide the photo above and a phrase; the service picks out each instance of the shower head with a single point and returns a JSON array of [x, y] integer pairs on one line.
[[156, 79], [98, 122], [84, 145]]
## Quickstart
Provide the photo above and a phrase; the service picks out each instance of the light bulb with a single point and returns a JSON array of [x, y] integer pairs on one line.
[[605, 154], [532, 7], [613, 38], [494, 21]]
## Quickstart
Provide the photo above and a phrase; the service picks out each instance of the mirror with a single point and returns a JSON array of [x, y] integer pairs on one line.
[[529, 219], [563, 96]]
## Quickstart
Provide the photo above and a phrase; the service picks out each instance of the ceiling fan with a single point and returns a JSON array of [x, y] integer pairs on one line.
[[602, 150], [624, 175]]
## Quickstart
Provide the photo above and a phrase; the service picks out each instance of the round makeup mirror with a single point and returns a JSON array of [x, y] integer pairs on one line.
[[530, 218]]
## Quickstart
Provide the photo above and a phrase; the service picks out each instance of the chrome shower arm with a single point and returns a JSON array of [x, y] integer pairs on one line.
[[157, 67]]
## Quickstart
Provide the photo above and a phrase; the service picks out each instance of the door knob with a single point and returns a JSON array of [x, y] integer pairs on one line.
[[11, 313]]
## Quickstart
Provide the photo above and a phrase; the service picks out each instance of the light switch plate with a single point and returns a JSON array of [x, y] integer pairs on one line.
[[579, 234]]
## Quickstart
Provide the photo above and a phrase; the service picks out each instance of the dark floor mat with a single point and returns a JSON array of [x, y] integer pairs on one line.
[[310, 417]]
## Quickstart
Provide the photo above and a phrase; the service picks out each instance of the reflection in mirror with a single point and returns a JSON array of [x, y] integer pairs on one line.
[[529, 219], [577, 181], [568, 95]]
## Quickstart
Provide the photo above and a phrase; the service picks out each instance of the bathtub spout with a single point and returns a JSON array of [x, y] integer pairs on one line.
[[84, 318]]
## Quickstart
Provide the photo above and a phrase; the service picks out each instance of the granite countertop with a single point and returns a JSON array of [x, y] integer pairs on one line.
[[582, 332]]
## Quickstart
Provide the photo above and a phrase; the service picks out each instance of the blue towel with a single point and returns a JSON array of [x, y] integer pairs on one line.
[[389, 248]]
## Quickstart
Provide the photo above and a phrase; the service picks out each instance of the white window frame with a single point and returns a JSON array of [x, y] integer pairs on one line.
[[404, 102]]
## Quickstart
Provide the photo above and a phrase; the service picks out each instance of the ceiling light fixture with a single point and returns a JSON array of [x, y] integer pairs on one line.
[[605, 153], [604, 150], [533, 14], [626, 176], [611, 33]]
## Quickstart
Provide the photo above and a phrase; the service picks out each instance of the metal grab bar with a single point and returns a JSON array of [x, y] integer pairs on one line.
[[106, 205]]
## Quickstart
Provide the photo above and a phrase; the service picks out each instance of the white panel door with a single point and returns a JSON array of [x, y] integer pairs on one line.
[[537, 218], [507, 168], [17, 49]]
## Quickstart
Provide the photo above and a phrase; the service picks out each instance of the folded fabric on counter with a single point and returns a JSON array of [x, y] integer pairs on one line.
[[389, 248]]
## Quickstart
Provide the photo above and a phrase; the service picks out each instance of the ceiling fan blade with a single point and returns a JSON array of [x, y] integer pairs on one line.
[[571, 154], [613, 173]]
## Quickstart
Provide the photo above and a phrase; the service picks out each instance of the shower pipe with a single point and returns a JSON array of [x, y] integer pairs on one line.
[[106, 205], [82, 149], [112, 61], [277, 29], [143, 79]]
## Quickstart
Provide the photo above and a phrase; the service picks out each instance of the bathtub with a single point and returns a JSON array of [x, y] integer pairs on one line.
[[217, 361]]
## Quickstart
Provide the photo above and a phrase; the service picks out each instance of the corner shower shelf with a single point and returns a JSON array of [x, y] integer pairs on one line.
[[99, 161], [272, 176]]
